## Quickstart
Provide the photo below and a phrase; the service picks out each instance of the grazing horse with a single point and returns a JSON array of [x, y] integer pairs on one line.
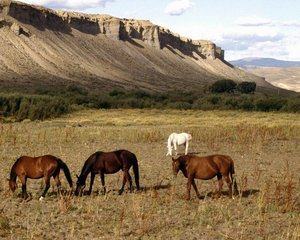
[[35, 168], [108, 163], [205, 168], [176, 139]]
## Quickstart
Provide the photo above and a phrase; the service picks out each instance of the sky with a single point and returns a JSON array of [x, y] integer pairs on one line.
[[244, 28]]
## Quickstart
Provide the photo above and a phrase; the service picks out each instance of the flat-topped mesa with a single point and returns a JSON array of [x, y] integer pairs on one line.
[[115, 28]]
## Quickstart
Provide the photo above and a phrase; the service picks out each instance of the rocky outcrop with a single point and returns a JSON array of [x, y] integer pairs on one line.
[[114, 28], [42, 48]]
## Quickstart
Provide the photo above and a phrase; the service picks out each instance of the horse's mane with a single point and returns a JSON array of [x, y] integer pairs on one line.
[[89, 163]]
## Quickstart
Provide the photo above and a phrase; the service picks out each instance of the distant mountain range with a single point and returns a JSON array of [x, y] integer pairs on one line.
[[264, 62]]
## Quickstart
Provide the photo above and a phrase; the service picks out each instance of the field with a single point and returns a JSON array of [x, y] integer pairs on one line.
[[265, 147]]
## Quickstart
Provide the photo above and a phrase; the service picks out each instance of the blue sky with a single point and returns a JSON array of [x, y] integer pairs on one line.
[[244, 28]]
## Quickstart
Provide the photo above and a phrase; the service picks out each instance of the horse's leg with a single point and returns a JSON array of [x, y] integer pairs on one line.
[[24, 181], [188, 187], [91, 183], [196, 189], [175, 148], [186, 147], [57, 181], [124, 183], [47, 186], [103, 182], [129, 178], [220, 183], [229, 183]]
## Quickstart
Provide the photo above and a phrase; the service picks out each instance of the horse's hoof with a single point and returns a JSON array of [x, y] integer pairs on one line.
[[41, 198]]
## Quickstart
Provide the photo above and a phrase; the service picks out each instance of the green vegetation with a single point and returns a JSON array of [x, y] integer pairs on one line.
[[246, 87], [33, 106], [222, 86], [229, 86], [50, 104]]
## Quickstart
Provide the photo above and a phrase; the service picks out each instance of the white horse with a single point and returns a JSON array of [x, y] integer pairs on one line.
[[176, 140]]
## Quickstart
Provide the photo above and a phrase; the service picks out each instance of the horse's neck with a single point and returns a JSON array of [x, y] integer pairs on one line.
[[183, 165], [85, 171], [13, 175]]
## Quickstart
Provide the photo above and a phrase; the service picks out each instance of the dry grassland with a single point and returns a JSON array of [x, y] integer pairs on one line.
[[265, 147]]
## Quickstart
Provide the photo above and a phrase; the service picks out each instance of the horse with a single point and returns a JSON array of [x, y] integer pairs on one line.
[[108, 163], [205, 168], [176, 139], [35, 168]]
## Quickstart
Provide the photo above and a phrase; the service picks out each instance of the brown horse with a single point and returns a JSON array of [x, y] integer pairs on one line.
[[108, 163], [205, 168], [37, 167]]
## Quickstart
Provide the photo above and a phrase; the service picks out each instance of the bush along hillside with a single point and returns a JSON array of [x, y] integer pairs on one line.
[[229, 86], [32, 107], [222, 95]]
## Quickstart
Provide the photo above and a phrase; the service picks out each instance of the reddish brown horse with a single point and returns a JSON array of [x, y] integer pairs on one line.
[[108, 163], [205, 168], [37, 167]]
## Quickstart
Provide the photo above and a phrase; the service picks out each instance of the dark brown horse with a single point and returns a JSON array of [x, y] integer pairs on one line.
[[37, 167], [108, 163], [205, 168]]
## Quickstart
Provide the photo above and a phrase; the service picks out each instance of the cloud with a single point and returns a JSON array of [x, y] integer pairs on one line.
[[253, 21], [178, 7], [290, 24], [243, 41], [70, 4]]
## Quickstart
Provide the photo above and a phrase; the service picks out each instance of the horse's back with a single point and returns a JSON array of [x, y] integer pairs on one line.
[[34, 167], [208, 166], [112, 162]]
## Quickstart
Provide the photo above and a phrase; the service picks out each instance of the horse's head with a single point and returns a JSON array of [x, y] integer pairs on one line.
[[80, 185], [176, 166], [12, 185]]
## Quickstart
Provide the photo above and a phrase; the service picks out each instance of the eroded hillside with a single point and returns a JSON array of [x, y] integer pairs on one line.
[[40, 47]]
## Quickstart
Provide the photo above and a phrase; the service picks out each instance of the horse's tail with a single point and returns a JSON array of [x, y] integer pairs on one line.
[[66, 170], [233, 179], [135, 166]]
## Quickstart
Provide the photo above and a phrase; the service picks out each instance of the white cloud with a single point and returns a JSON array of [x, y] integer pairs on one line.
[[290, 24], [178, 7], [252, 21], [70, 4], [239, 41]]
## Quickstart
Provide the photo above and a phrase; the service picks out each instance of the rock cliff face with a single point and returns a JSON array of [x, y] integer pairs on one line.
[[40, 46], [115, 28]]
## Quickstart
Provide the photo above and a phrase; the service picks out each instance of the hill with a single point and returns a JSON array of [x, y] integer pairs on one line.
[[264, 62], [42, 48], [287, 78]]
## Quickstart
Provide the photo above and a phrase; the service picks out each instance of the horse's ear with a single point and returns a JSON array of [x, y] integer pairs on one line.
[[77, 176]]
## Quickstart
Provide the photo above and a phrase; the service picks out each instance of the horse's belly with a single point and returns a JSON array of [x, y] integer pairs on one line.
[[205, 176], [35, 175], [181, 142], [112, 170]]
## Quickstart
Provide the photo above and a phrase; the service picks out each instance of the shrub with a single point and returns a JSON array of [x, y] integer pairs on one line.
[[270, 104], [222, 86], [33, 107], [246, 87]]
